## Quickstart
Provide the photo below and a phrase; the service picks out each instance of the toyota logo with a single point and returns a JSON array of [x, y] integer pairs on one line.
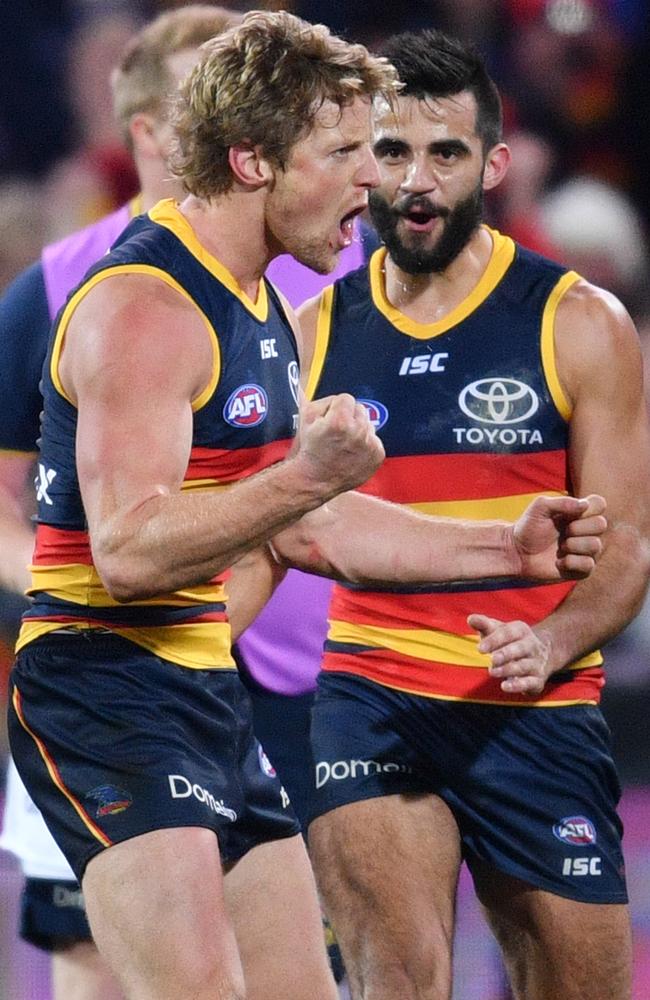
[[498, 401]]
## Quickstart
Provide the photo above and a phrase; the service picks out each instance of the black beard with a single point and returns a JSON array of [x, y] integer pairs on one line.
[[460, 224]]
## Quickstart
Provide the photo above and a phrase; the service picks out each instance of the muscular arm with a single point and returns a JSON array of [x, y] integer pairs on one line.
[[599, 365], [366, 540], [24, 326], [135, 356]]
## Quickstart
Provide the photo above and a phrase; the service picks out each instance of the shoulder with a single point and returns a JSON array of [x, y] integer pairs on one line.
[[135, 329], [591, 316], [596, 341]]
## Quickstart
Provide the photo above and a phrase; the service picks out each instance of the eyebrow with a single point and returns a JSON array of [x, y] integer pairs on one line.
[[387, 143]]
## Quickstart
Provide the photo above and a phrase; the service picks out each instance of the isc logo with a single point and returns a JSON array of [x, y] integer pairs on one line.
[[423, 363], [581, 866], [247, 406], [268, 348]]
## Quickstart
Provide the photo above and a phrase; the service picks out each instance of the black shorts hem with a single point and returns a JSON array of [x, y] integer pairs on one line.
[[227, 858], [529, 878], [371, 793], [539, 882]]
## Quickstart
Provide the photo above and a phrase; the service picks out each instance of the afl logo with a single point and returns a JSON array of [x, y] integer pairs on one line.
[[576, 830], [377, 412], [498, 401], [247, 406]]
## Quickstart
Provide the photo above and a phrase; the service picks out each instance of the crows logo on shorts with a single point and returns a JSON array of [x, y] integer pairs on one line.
[[110, 800]]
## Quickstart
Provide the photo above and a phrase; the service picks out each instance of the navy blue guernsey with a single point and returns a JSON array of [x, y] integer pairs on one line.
[[474, 421], [243, 421]]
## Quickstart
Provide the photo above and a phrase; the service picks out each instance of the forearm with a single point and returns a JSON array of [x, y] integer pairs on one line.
[[176, 540], [365, 540], [599, 607]]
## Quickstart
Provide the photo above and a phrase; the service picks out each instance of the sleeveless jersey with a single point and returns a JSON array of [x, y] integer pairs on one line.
[[243, 421], [475, 425]]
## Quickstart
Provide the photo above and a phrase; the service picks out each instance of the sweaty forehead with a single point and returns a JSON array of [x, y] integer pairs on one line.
[[426, 119]]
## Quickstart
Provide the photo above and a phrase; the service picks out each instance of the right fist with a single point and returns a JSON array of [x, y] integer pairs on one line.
[[338, 444]]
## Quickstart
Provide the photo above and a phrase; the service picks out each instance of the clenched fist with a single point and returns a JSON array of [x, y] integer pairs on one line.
[[337, 445], [559, 537]]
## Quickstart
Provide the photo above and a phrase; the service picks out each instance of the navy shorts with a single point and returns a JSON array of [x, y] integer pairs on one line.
[[113, 742], [53, 914], [282, 723], [533, 791]]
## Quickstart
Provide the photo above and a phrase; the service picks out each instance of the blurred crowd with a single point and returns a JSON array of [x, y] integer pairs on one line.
[[573, 74]]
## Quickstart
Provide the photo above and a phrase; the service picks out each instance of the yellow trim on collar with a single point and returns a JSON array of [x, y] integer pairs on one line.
[[167, 214], [502, 256]]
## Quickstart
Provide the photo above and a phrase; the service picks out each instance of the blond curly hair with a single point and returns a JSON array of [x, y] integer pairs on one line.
[[263, 83]]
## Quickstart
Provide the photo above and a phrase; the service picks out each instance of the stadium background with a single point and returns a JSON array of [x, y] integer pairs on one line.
[[575, 79]]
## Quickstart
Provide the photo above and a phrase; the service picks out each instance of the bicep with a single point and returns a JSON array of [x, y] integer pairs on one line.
[[133, 375], [609, 439]]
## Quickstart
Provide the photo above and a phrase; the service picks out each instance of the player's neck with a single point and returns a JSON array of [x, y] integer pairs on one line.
[[156, 183], [428, 298], [232, 231]]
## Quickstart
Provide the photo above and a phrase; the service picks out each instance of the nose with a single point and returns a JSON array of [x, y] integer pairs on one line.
[[419, 177], [368, 172]]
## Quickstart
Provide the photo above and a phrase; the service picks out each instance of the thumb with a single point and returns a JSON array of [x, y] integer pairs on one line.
[[483, 624]]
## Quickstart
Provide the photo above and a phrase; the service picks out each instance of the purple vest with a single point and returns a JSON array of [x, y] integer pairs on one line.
[[66, 262], [283, 647]]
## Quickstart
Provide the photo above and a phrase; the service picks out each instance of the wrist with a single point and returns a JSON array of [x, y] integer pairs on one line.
[[555, 658], [511, 553], [307, 481]]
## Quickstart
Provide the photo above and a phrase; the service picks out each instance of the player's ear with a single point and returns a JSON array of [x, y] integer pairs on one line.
[[144, 135], [249, 166], [496, 166]]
